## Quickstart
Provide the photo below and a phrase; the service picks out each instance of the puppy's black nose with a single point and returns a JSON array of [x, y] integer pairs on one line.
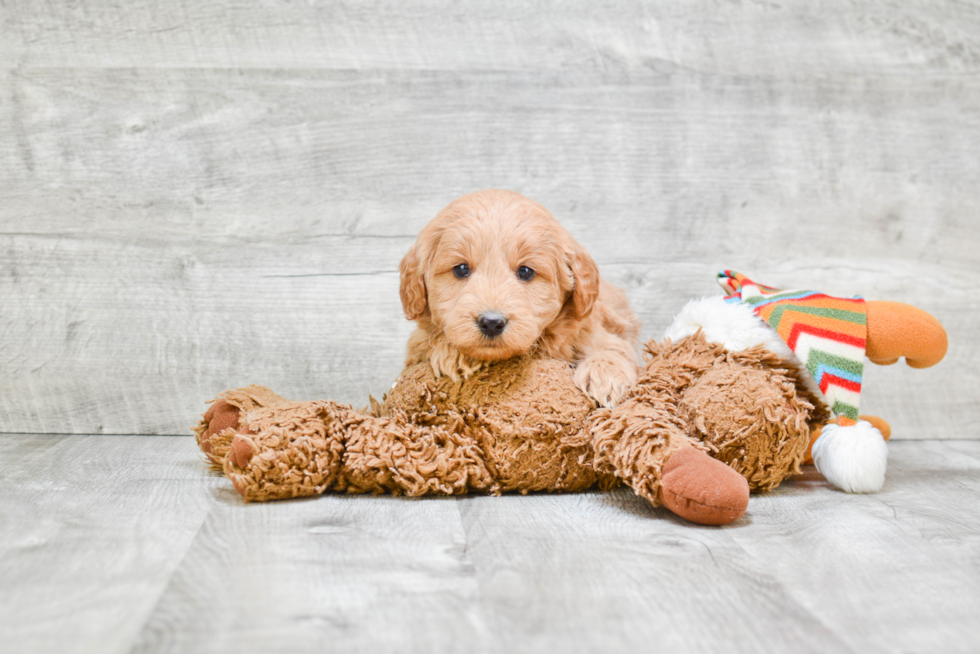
[[492, 324]]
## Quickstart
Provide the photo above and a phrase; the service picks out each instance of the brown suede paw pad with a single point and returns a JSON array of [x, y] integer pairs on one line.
[[241, 451], [702, 489], [220, 417]]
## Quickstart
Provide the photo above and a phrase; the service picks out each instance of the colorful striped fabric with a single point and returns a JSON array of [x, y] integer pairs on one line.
[[828, 334]]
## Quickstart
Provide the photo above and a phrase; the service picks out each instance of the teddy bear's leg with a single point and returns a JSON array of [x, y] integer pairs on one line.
[[287, 452], [748, 412], [221, 421], [220, 418], [702, 489], [644, 441], [272, 448], [311, 447]]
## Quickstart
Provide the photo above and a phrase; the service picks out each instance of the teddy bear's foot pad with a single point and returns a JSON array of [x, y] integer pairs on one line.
[[216, 429], [702, 489], [241, 452]]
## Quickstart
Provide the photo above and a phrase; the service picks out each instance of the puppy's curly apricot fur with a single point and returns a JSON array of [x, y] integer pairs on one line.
[[494, 275]]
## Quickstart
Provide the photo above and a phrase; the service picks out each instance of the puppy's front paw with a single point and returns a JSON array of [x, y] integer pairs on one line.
[[605, 378], [447, 361]]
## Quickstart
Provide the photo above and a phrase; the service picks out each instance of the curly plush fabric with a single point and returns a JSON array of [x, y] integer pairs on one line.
[[746, 409], [279, 449], [522, 425], [525, 414]]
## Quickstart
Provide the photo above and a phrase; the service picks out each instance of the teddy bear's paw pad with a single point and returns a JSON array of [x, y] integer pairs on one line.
[[220, 421], [241, 452], [702, 489]]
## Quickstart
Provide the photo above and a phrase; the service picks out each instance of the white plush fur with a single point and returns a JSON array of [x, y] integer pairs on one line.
[[735, 326], [852, 458]]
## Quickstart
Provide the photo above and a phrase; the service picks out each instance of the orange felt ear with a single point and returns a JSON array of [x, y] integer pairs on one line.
[[586, 275], [412, 285], [899, 330]]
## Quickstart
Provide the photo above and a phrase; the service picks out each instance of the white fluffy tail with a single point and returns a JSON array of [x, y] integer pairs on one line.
[[852, 458]]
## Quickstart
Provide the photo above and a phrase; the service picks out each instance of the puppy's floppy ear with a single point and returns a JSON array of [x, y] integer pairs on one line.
[[586, 274], [412, 286]]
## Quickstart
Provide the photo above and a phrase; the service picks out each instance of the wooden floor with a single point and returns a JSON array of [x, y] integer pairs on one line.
[[118, 544]]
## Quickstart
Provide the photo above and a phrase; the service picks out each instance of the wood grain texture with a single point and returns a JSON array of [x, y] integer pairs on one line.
[[91, 530], [119, 544], [199, 197], [750, 38]]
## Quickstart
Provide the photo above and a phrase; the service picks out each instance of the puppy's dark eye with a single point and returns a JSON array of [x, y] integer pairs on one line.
[[524, 273], [461, 271]]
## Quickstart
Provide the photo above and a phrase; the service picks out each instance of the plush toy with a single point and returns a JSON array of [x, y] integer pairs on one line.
[[722, 406], [825, 340]]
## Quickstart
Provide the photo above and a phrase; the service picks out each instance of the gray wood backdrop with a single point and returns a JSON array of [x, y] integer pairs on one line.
[[200, 195]]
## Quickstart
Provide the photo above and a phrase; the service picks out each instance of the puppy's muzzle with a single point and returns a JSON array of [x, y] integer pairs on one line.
[[492, 324]]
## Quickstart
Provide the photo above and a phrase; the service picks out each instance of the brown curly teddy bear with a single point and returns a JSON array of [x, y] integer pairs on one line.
[[706, 422]]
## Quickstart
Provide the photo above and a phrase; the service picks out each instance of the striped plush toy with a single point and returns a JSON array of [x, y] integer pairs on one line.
[[827, 339]]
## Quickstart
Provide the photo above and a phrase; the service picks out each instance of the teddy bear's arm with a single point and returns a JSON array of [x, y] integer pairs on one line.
[[272, 449]]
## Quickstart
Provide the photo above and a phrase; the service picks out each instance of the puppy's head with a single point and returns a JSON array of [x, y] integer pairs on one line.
[[493, 271]]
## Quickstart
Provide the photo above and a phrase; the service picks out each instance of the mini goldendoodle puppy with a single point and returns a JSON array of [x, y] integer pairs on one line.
[[494, 275]]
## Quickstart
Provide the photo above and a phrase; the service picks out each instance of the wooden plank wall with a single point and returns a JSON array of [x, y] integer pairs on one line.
[[199, 195]]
